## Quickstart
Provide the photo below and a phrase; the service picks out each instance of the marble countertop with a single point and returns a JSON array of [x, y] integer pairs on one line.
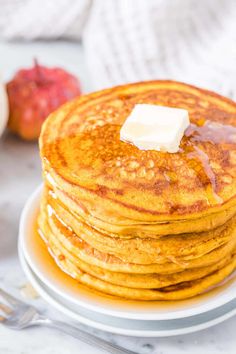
[[20, 173]]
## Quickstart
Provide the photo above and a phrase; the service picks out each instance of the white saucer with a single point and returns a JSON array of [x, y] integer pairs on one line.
[[136, 328], [49, 273]]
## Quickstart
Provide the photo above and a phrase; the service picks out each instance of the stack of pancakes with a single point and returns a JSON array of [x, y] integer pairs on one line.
[[143, 225]]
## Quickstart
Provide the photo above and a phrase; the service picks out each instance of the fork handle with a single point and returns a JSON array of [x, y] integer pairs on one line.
[[85, 337]]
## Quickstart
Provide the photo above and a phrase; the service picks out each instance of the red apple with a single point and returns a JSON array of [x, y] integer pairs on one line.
[[34, 93]]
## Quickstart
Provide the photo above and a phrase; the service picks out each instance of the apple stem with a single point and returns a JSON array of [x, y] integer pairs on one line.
[[40, 76]]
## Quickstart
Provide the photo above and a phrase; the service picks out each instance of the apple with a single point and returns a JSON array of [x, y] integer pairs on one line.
[[3, 107], [36, 92]]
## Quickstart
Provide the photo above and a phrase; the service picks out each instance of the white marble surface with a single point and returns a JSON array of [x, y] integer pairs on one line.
[[20, 173]]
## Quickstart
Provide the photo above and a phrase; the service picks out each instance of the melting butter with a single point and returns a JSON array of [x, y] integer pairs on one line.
[[153, 127]]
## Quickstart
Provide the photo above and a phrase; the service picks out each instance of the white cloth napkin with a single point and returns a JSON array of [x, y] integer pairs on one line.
[[131, 40]]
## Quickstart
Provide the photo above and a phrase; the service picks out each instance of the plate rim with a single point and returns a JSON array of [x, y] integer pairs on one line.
[[109, 328], [30, 207]]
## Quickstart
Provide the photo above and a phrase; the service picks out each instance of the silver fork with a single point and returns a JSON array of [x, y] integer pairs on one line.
[[18, 315]]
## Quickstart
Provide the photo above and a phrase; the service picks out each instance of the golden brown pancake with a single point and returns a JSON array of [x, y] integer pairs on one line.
[[178, 248], [177, 291], [144, 225], [119, 184], [136, 280], [152, 230], [82, 250]]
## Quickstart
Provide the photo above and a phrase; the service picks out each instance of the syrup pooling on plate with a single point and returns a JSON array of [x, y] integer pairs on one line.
[[64, 282]]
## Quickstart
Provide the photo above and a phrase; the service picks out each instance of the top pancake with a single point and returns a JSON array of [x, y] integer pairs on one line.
[[115, 181]]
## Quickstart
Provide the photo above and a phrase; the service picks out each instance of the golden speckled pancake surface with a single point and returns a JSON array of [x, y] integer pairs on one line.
[[118, 183], [143, 225]]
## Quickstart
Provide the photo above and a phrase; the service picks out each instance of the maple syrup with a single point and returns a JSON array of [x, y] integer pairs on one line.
[[64, 282], [211, 133]]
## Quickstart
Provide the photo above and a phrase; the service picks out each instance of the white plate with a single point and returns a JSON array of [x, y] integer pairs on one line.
[[164, 328], [46, 269]]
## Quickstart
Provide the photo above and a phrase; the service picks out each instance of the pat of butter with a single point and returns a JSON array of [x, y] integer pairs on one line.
[[153, 127]]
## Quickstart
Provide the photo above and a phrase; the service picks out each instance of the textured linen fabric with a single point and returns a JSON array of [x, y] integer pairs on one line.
[[132, 40]]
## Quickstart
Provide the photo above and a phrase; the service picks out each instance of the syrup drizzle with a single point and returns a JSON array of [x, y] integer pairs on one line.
[[194, 150], [213, 133], [204, 159]]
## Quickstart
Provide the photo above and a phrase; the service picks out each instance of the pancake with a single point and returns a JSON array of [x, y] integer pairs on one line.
[[142, 225], [76, 245], [82, 250], [119, 184], [179, 248], [152, 230], [179, 291], [146, 281]]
